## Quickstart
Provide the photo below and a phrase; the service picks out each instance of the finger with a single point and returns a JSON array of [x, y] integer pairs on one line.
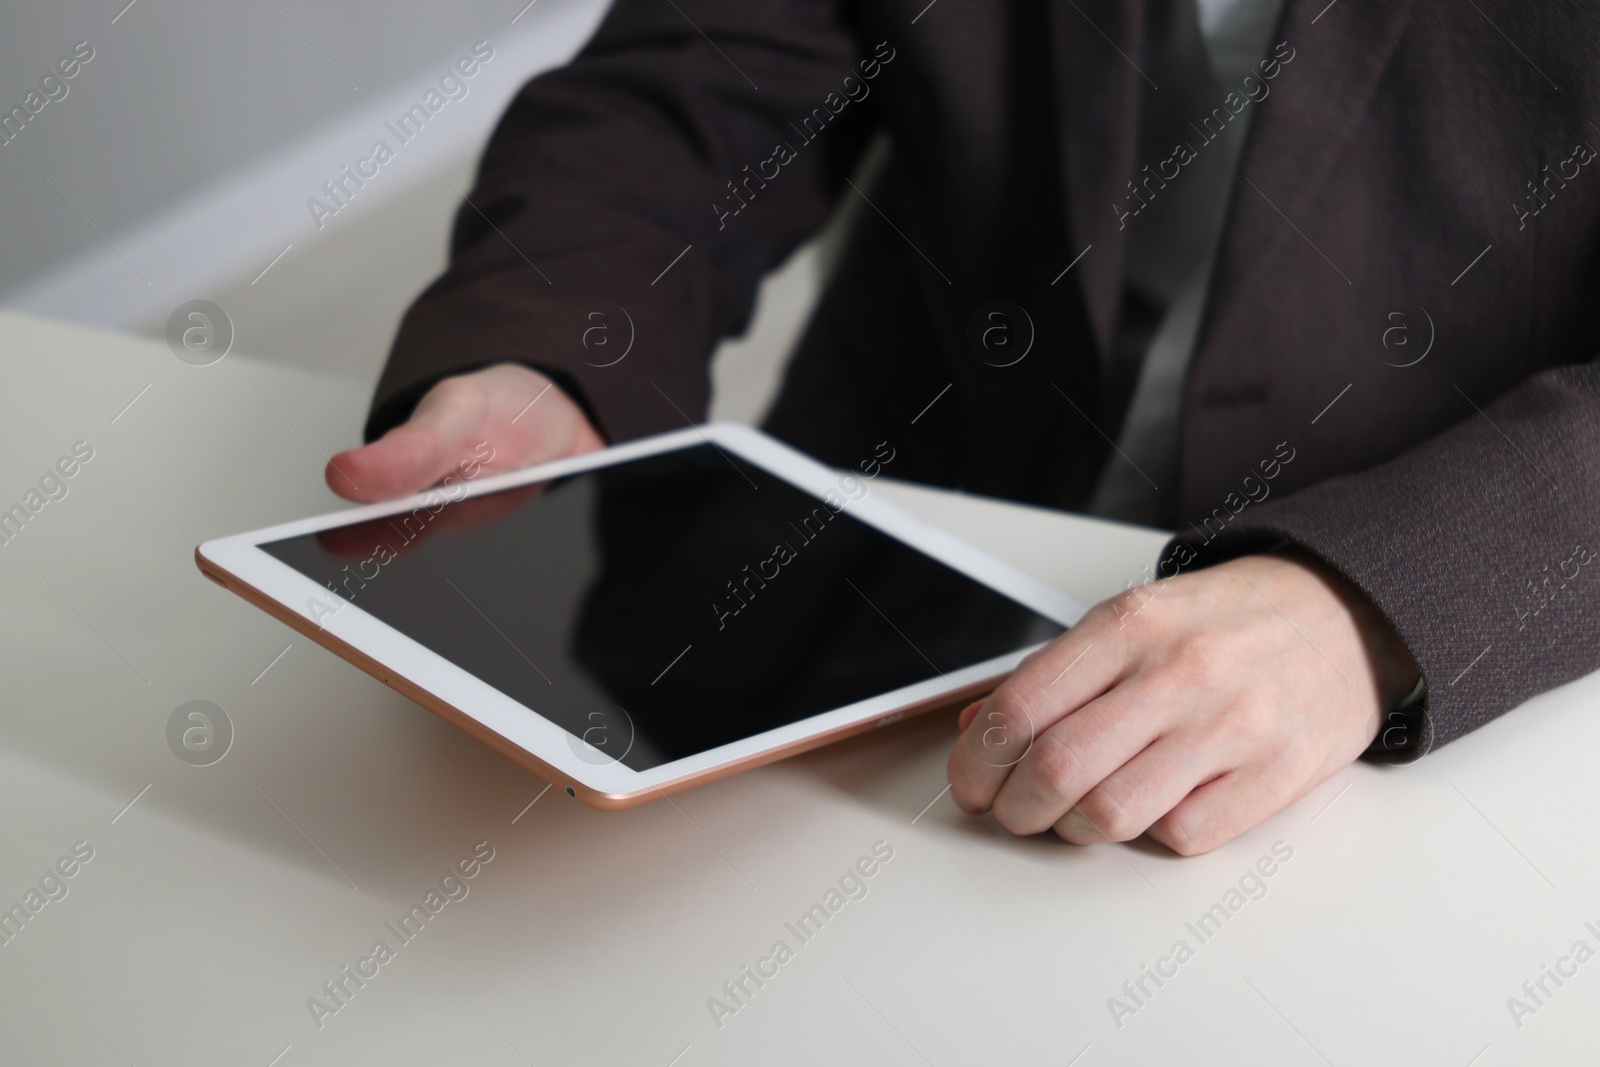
[[401, 462], [1222, 809], [1080, 752], [1132, 798], [967, 714], [443, 428], [510, 414], [530, 420], [1047, 686]]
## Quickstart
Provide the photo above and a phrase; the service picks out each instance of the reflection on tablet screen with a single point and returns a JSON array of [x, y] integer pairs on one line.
[[669, 605]]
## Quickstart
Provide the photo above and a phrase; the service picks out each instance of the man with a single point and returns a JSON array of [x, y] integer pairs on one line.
[[1312, 285]]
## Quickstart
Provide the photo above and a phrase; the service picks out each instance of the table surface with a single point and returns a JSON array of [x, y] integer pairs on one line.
[[218, 900]]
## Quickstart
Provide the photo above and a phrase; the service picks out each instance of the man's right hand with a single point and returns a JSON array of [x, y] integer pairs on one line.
[[519, 412]]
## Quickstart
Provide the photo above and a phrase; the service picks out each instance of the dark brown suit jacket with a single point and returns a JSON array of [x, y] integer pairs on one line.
[[1415, 167]]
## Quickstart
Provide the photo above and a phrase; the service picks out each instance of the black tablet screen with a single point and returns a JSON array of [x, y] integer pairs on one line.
[[666, 606]]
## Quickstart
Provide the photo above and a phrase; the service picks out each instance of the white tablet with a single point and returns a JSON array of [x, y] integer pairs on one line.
[[657, 614]]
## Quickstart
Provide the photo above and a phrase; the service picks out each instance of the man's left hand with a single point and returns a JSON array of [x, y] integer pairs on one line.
[[1190, 709]]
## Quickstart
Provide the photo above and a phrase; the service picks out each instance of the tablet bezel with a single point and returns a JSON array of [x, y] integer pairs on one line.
[[520, 732]]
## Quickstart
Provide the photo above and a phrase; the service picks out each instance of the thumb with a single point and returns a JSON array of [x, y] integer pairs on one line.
[[968, 713], [410, 457], [504, 407]]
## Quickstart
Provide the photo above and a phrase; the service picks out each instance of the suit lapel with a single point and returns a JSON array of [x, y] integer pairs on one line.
[[1317, 102], [1340, 54], [1097, 43]]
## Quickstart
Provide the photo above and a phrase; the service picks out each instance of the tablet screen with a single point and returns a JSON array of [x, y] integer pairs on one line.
[[666, 606]]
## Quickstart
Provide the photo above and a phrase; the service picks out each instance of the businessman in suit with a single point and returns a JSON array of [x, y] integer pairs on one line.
[[1311, 284]]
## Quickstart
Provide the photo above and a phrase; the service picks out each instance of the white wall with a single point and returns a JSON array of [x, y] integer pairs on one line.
[[179, 163], [186, 149], [182, 95]]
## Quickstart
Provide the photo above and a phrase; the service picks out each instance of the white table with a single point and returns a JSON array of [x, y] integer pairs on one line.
[[219, 899]]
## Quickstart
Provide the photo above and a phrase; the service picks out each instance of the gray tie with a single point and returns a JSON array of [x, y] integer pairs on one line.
[[1188, 147]]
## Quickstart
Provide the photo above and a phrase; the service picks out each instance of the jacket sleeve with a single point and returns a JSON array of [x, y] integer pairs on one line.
[[1480, 546], [632, 200]]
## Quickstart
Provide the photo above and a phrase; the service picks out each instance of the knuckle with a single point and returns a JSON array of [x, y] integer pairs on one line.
[[1110, 815], [1146, 600], [1039, 655], [505, 369], [1058, 766], [1197, 661], [1128, 608], [1126, 602], [456, 388], [462, 395], [1012, 703], [1250, 718], [1184, 834], [1064, 828], [1137, 618], [1015, 817], [1102, 616], [1007, 716], [968, 787]]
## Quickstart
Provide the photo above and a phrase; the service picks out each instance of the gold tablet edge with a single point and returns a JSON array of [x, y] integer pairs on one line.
[[594, 798]]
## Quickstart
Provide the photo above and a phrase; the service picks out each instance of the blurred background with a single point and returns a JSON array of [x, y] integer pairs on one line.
[[179, 162]]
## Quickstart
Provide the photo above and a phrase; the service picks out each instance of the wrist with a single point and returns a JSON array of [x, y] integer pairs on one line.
[[1396, 678]]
